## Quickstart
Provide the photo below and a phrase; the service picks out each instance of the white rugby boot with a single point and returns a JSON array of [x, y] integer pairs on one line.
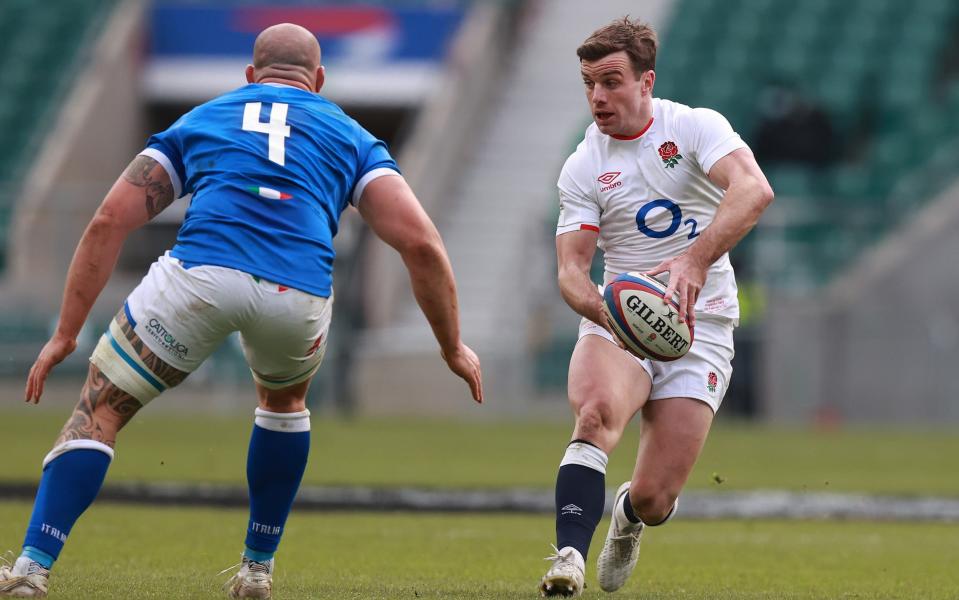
[[621, 549], [253, 580], [25, 579], [566, 577]]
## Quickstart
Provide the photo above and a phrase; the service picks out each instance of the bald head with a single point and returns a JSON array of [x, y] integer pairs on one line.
[[286, 53]]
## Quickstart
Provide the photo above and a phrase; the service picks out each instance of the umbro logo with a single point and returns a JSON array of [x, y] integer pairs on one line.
[[571, 509], [608, 180]]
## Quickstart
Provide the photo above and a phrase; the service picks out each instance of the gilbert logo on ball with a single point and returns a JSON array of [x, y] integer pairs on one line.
[[647, 326]]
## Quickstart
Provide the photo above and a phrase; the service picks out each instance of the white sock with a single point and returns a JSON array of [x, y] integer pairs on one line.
[[622, 522]]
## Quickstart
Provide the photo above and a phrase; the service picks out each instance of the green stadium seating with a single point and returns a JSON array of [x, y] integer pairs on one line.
[[874, 66], [41, 46], [41, 49]]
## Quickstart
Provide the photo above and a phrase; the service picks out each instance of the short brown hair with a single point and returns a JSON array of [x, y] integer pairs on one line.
[[636, 38]]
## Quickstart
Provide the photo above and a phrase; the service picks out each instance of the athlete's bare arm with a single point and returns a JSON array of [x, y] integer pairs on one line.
[[574, 255], [747, 195], [391, 209], [139, 194]]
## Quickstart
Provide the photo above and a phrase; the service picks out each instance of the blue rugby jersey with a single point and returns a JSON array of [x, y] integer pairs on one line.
[[271, 168]]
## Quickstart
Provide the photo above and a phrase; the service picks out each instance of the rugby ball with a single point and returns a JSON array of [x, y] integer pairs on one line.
[[647, 326]]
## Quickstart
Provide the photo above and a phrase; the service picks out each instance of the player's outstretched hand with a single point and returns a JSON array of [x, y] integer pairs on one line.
[[687, 277], [464, 362], [52, 354]]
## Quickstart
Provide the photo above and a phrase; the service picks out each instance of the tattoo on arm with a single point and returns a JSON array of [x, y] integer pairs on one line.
[[142, 172]]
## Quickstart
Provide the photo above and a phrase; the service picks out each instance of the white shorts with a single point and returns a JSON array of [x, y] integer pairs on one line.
[[703, 373], [183, 314]]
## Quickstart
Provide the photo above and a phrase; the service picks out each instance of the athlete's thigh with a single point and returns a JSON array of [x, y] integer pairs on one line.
[[602, 372], [183, 314], [686, 393], [286, 344], [134, 348], [672, 436]]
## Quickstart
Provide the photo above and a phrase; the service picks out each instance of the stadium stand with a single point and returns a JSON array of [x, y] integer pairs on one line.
[[38, 48], [882, 77], [888, 117], [39, 52]]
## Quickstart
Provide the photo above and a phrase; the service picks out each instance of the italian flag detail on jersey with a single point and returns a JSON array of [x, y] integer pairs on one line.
[[270, 193]]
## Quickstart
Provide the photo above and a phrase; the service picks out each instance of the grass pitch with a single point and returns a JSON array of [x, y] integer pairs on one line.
[[406, 452], [145, 553], [137, 552]]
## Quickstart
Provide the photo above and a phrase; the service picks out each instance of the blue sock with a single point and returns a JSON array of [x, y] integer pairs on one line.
[[580, 495], [279, 447], [257, 556], [38, 556], [72, 475]]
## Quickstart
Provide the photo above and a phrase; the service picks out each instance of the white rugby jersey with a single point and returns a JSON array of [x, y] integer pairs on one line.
[[649, 196]]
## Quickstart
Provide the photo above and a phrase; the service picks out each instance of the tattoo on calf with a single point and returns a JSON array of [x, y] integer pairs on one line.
[[142, 172], [167, 373]]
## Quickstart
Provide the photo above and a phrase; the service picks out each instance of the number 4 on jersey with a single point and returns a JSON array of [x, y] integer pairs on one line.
[[276, 128]]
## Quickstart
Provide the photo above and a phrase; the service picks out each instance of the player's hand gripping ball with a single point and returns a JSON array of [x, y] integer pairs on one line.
[[647, 326]]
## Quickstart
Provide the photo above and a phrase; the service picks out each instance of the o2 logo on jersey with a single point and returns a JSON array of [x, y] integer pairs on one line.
[[276, 128], [673, 227]]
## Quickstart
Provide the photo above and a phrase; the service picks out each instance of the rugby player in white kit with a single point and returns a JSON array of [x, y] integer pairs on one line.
[[664, 189]]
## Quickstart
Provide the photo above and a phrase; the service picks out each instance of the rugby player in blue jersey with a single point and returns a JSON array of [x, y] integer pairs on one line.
[[271, 167]]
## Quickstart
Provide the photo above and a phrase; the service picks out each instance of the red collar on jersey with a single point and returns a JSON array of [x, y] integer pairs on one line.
[[633, 137]]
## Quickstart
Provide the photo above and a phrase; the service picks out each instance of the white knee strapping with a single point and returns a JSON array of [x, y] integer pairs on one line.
[[283, 422], [77, 445], [587, 455], [115, 357]]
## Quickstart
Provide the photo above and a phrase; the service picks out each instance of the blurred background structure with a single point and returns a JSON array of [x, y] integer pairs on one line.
[[849, 285]]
